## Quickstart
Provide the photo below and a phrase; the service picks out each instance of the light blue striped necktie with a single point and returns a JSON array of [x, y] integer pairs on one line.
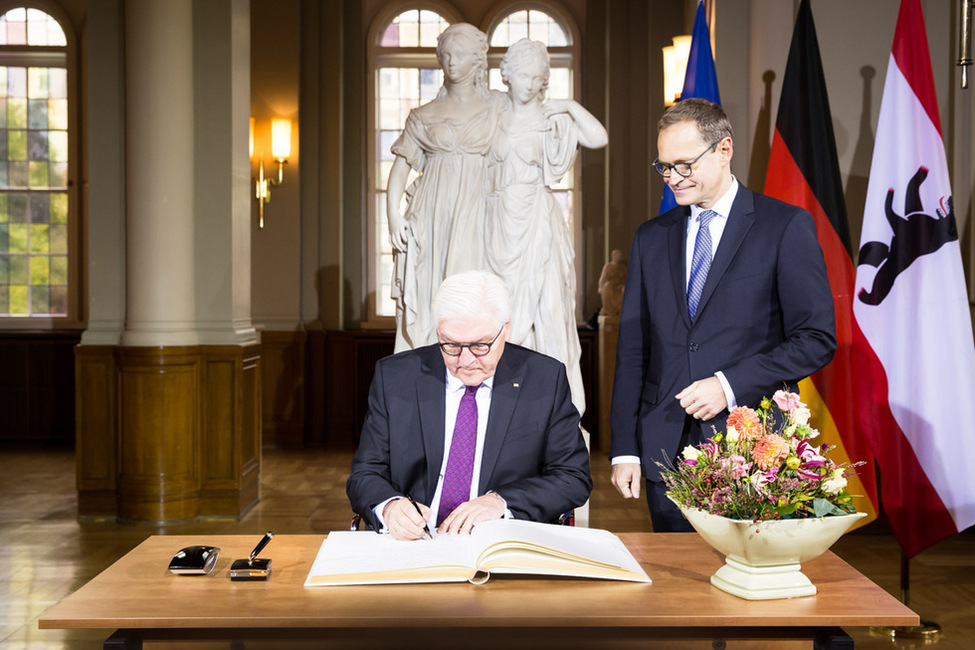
[[700, 262]]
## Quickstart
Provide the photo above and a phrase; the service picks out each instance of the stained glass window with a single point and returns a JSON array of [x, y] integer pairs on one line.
[[529, 23], [23, 26], [413, 28], [34, 215]]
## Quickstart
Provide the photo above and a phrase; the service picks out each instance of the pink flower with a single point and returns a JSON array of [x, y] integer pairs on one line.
[[760, 480], [787, 401], [739, 468], [809, 454]]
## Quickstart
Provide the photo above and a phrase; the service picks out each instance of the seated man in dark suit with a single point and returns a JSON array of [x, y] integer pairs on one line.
[[470, 429]]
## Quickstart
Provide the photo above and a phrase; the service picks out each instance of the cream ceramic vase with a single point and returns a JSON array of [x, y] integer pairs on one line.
[[763, 559]]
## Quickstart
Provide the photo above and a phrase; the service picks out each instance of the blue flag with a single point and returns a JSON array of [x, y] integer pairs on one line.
[[700, 79]]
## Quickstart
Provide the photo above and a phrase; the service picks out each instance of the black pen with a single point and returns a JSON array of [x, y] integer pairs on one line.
[[426, 528], [260, 546]]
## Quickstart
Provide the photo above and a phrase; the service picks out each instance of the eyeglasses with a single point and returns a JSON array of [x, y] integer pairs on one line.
[[684, 169], [477, 349]]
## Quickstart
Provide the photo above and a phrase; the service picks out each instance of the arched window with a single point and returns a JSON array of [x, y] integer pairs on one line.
[[406, 76], [36, 230]]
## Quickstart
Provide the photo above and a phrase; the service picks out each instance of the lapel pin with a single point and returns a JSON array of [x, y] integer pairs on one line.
[[516, 384]]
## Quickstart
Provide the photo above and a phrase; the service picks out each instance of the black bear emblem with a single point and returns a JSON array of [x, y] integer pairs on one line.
[[915, 234]]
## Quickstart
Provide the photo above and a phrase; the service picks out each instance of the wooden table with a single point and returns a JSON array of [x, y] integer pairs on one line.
[[146, 604]]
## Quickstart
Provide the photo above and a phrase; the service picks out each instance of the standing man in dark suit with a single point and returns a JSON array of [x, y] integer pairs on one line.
[[727, 300], [508, 408]]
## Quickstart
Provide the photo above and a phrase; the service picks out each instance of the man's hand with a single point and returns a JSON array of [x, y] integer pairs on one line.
[[403, 521], [626, 479], [703, 399], [471, 513]]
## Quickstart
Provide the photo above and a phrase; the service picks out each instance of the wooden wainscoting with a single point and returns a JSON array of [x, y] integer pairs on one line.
[[37, 401], [168, 433], [283, 371]]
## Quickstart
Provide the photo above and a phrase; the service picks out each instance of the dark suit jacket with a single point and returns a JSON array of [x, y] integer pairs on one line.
[[765, 320], [534, 454]]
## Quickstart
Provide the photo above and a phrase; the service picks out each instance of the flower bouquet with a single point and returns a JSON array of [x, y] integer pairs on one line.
[[765, 496], [764, 466]]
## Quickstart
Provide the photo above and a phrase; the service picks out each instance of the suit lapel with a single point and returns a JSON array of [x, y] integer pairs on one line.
[[431, 405], [504, 397], [677, 253], [739, 223]]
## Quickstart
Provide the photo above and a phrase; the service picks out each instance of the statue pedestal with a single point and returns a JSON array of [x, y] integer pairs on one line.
[[609, 326]]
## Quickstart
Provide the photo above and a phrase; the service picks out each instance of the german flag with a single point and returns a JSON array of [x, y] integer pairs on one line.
[[803, 170]]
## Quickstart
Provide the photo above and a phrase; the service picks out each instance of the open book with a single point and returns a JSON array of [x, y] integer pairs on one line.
[[503, 546]]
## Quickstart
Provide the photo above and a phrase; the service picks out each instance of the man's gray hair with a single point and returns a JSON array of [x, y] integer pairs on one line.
[[472, 295]]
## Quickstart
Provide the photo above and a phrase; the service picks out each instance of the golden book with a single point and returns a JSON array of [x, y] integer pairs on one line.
[[505, 546]]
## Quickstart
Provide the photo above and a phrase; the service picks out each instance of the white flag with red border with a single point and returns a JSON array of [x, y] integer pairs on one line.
[[912, 305]]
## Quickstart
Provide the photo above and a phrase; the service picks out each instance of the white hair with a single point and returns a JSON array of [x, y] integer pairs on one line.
[[472, 295]]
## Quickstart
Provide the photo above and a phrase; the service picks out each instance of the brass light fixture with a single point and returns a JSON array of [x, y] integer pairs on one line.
[[280, 151]]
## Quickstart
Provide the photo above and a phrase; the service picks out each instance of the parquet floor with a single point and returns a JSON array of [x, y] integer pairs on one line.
[[46, 553]]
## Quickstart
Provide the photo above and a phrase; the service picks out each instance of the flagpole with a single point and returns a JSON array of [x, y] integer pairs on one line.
[[928, 631], [965, 41]]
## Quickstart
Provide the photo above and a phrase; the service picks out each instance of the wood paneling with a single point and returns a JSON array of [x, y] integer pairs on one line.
[[37, 400], [166, 434], [97, 425], [160, 446], [283, 376], [232, 441]]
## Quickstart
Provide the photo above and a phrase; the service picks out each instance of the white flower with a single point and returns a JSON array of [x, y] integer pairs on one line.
[[731, 435], [691, 453], [800, 415], [835, 482]]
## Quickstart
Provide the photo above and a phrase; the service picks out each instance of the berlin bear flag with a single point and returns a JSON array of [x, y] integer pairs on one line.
[[912, 306]]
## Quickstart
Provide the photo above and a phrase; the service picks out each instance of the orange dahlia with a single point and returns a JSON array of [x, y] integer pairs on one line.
[[746, 422], [770, 451]]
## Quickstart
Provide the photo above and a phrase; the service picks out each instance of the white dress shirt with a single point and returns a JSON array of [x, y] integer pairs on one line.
[[453, 393]]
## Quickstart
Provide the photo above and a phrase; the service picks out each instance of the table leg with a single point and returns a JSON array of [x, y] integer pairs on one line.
[[123, 640]]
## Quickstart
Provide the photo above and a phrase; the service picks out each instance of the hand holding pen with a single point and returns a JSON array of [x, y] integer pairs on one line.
[[426, 526], [405, 520]]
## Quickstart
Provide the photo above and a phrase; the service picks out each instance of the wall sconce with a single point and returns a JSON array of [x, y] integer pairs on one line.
[[675, 65], [280, 151]]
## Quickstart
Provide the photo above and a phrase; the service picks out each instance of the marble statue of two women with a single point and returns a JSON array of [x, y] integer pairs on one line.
[[488, 161]]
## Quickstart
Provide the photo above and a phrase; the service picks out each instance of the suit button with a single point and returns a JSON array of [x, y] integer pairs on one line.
[[692, 347]]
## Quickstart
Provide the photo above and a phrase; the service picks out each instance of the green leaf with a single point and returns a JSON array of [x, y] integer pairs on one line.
[[823, 508]]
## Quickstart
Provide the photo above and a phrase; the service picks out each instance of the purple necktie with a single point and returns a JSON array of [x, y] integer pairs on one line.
[[700, 261], [460, 461]]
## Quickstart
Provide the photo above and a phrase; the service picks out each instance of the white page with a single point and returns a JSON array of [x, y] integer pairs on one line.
[[358, 552], [594, 545]]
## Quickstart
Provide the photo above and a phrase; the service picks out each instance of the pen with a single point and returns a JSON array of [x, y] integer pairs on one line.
[[426, 528], [260, 546]]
